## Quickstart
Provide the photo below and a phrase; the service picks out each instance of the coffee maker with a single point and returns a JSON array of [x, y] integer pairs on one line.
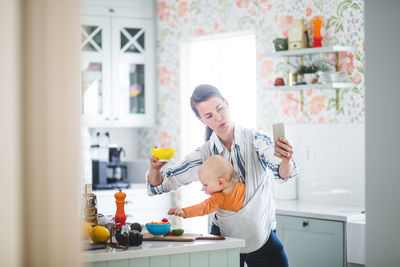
[[111, 174]]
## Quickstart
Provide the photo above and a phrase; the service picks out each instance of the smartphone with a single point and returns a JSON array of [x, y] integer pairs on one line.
[[278, 131]]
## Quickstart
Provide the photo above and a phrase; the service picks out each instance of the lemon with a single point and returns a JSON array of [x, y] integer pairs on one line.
[[86, 229], [99, 234]]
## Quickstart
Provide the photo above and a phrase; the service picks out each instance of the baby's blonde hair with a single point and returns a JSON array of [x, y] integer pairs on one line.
[[220, 167]]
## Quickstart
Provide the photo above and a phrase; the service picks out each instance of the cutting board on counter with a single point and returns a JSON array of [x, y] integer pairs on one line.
[[182, 238]]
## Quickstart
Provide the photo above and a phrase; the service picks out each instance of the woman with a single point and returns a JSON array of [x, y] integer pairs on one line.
[[252, 155]]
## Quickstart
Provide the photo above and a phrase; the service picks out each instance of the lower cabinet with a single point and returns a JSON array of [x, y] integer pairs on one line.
[[312, 242], [212, 258]]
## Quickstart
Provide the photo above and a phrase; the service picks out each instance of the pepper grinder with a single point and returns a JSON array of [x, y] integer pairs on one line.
[[90, 205], [120, 217]]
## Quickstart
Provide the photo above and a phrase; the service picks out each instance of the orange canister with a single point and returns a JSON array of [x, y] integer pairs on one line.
[[120, 217]]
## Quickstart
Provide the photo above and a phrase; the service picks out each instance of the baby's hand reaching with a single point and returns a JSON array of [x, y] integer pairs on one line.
[[177, 211]]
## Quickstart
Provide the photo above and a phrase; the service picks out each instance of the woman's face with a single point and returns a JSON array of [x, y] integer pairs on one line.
[[214, 113]]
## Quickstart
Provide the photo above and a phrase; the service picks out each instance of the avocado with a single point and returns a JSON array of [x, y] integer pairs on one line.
[[123, 239], [134, 239], [136, 226], [178, 231]]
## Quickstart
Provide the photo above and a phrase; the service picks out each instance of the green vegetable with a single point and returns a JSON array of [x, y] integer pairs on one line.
[[178, 231]]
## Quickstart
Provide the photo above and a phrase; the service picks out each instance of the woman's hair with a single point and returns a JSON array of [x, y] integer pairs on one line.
[[202, 93]]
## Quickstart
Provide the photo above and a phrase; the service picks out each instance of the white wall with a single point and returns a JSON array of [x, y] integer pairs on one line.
[[331, 158], [382, 23]]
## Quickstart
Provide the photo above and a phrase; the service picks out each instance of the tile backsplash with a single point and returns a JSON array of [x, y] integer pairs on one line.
[[331, 158]]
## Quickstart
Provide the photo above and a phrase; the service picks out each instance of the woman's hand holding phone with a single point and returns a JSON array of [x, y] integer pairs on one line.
[[283, 149]]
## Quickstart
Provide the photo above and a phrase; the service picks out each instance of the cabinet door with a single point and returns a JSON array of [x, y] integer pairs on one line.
[[312, 242], [95, 69], [133, 73]]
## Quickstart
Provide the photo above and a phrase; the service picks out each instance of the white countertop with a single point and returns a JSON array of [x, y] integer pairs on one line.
[[335, 212], [157, 248]]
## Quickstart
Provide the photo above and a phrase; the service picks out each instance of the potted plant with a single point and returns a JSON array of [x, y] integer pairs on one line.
[[308, 73], [323, 71]]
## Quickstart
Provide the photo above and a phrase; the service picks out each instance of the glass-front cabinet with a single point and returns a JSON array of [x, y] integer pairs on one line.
[[95, 70], [131, 76], [117, 71]]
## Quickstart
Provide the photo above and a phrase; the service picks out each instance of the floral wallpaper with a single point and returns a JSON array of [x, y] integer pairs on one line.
[[343, 24]]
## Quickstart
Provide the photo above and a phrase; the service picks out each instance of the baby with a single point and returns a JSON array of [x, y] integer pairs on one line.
[[219, 180]]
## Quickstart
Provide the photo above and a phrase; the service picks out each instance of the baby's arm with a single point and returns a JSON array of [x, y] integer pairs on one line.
[[208, 206], [177, 211]]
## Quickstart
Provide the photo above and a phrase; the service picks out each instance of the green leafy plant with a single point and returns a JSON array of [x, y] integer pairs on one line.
[[303, 69], [313, 68], [322, 65]]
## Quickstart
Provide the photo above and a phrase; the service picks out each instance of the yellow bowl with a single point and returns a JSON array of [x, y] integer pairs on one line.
[[164, 153]]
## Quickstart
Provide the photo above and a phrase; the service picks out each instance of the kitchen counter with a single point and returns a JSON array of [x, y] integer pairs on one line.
[[308, 209], [200, 251]]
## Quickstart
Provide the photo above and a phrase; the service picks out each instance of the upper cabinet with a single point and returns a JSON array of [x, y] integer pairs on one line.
[[117, 64]]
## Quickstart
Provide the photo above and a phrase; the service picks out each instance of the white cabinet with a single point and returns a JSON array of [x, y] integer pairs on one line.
[[312, 242], [117, 64]]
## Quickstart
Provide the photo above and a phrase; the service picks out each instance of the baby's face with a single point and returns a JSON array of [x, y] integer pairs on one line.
[[210, 182]]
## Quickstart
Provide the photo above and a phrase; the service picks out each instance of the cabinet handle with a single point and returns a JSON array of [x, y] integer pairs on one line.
[[128, 202], [305, 223], [115, 118], [111, 10], [107, 118]]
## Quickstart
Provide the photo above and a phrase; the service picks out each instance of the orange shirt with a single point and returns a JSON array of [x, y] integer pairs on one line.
[[221, 200]]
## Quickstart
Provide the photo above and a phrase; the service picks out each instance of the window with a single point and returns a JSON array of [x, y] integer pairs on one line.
[[229, 63]]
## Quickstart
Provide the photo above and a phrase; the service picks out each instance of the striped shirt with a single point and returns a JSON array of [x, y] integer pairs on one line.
[[187, 171]]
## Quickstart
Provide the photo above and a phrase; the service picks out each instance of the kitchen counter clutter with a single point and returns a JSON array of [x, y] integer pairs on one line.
[[164, 253], [326, 211]]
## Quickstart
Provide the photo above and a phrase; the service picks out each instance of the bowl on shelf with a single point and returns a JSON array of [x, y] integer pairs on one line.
[[334, 76], [324, 77], [158, 228], [309, 77], [164, 153]]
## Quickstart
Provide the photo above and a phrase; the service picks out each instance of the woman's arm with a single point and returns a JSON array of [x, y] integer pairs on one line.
[[283, 167], [285, 150], [155, 177], [162, 181]]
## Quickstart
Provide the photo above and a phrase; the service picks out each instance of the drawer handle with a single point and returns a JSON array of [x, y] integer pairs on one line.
[[305, 223]]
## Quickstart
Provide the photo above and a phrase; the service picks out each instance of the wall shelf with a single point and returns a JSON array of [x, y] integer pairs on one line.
[[310, 86], [312, 51], [301, 52], [300, 88]]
